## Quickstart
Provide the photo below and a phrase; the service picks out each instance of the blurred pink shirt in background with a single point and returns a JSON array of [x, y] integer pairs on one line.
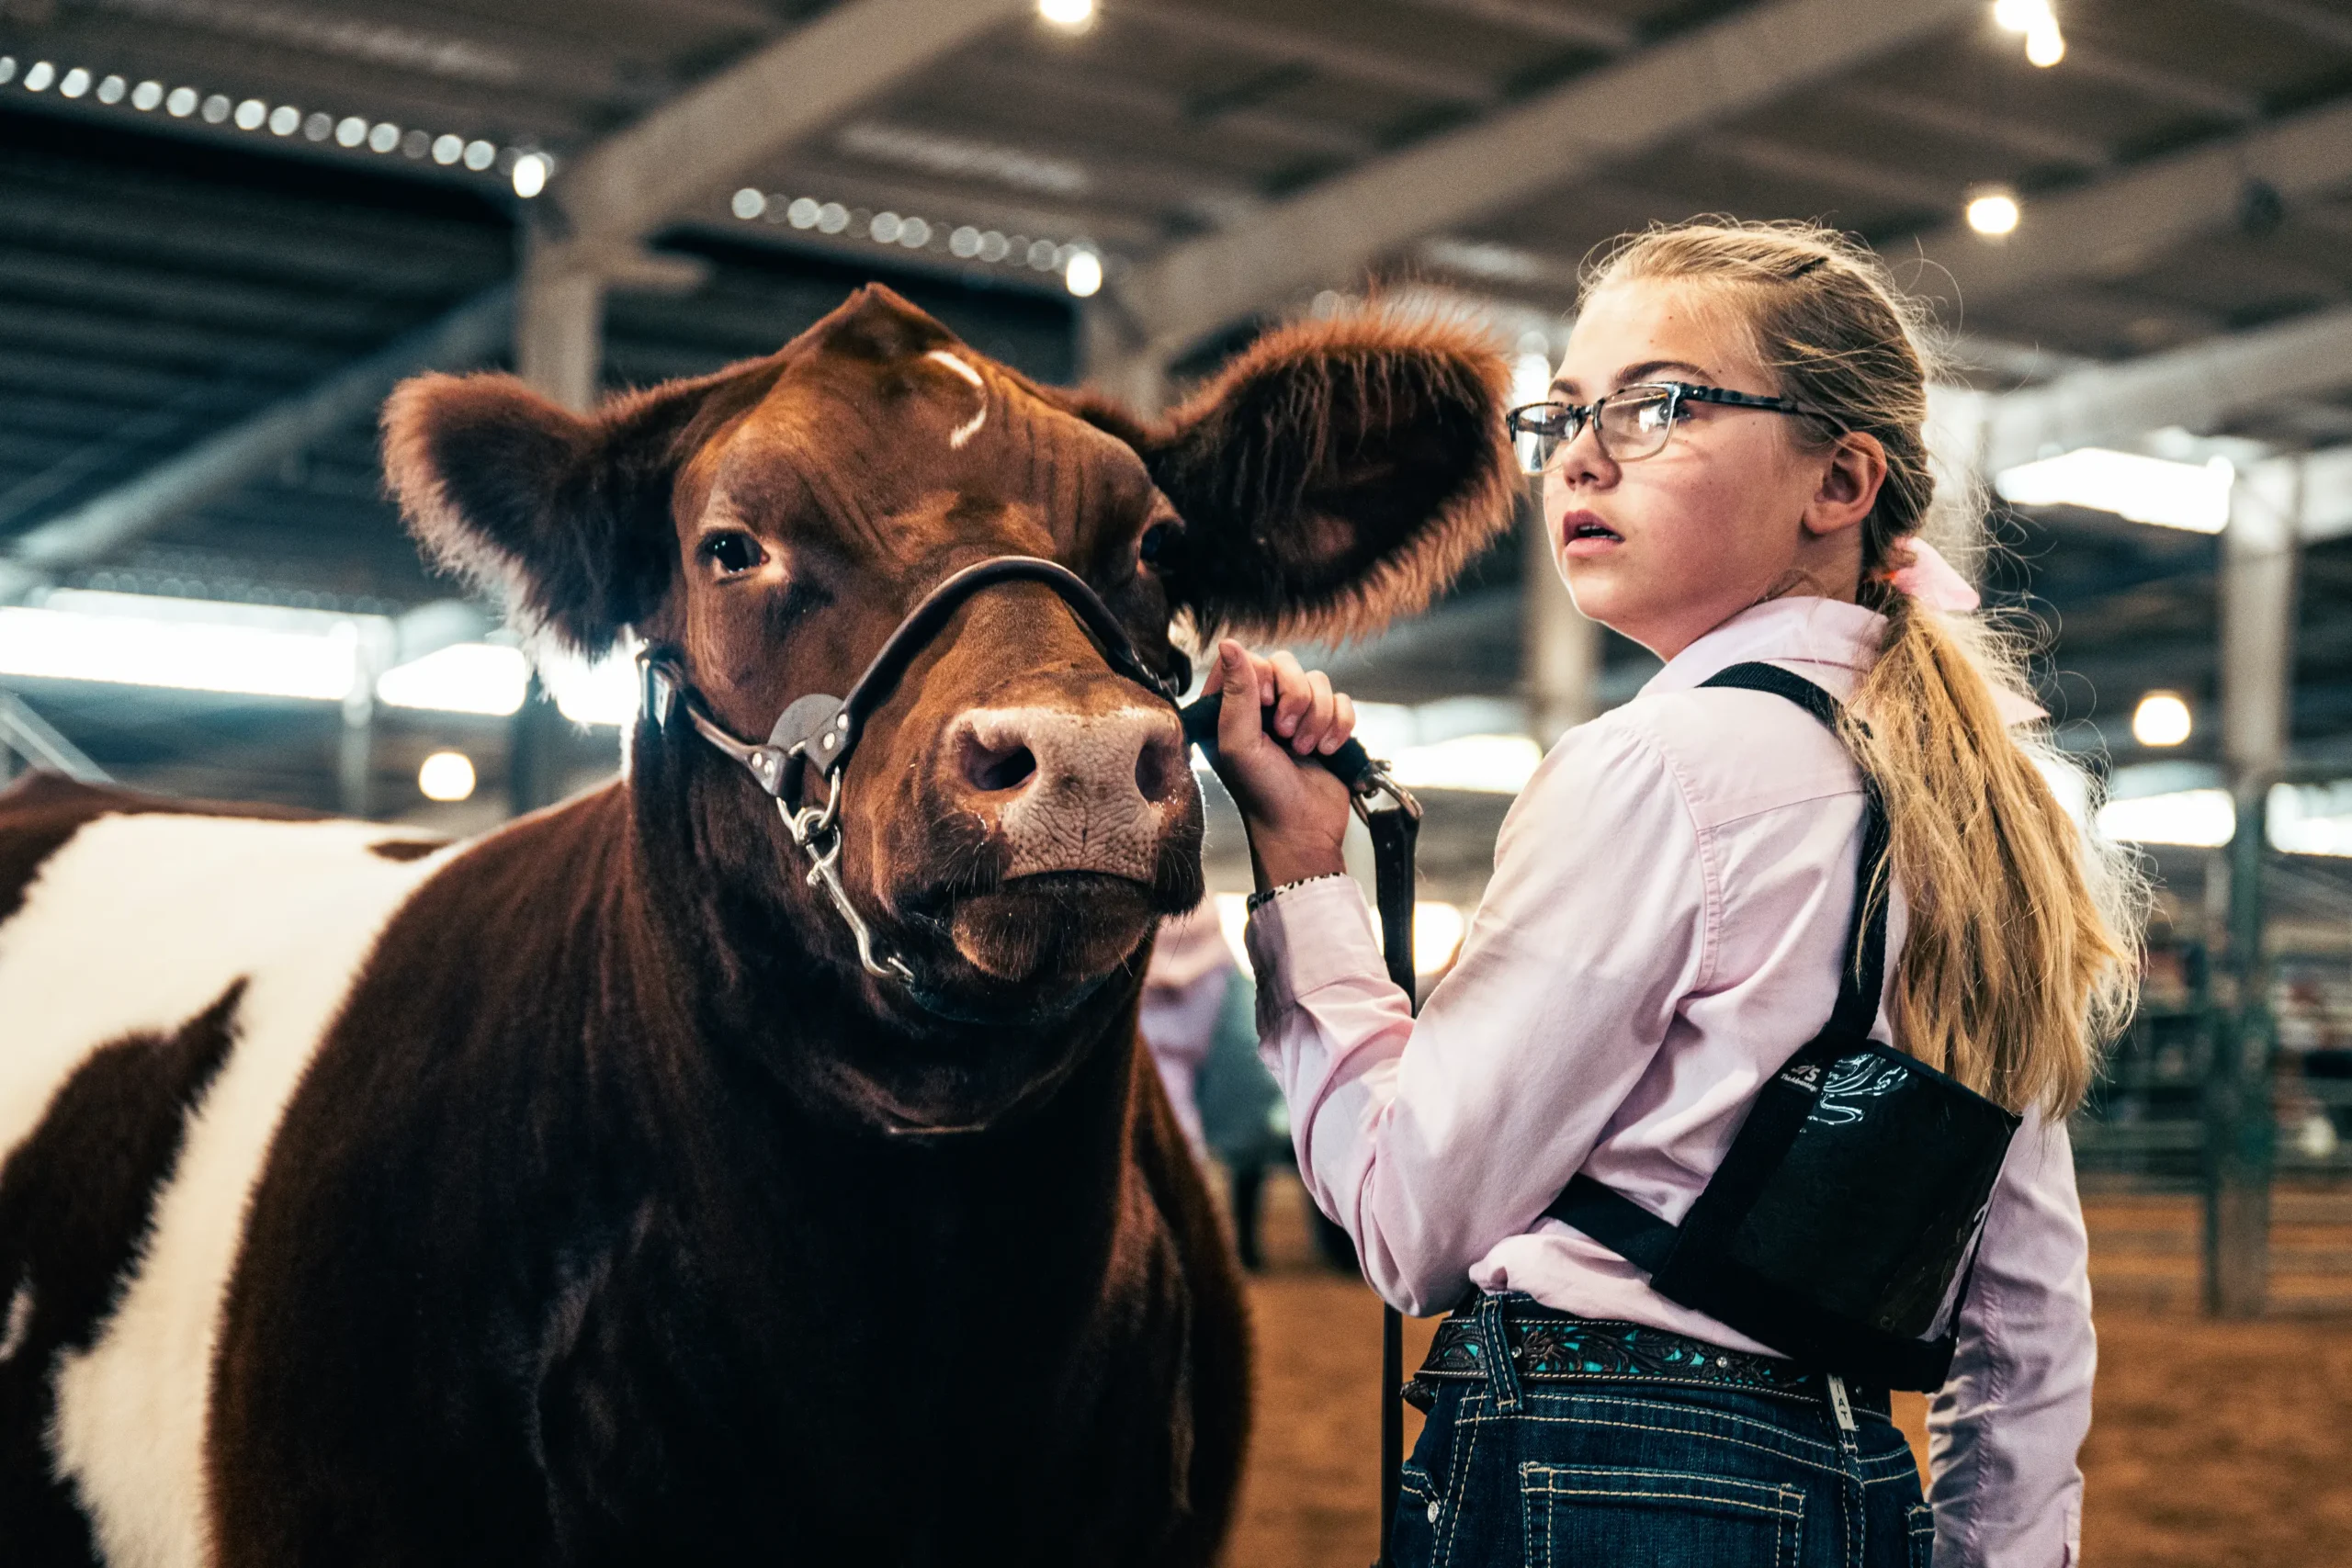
[[1663, 929]]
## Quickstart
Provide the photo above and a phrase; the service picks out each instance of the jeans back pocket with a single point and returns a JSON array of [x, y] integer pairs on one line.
[[1663, 1519]]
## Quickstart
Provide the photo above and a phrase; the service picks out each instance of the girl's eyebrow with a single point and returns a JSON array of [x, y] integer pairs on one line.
[[1641, 372]]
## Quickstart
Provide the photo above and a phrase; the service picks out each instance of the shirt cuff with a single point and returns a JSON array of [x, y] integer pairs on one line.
[[1310, 936]]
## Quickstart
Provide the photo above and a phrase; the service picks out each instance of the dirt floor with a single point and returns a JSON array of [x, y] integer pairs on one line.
[[2214, 1445]]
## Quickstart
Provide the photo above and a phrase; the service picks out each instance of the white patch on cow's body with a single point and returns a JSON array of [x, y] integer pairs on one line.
[[970, 427], [136, 925]]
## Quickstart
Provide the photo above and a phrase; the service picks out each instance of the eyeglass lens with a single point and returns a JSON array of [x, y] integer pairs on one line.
[[1634, 424]]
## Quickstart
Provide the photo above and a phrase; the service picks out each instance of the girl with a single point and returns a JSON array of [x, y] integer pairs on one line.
[[1735, 472]]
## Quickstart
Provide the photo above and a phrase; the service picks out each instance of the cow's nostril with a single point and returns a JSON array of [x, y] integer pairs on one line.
[[991, 768], [1157, 766]]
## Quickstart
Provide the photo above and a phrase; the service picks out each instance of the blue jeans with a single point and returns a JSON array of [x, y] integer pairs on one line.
[[1657, 1476]]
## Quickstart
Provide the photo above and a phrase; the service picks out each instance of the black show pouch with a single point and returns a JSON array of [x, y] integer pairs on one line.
[[1850, 1199]]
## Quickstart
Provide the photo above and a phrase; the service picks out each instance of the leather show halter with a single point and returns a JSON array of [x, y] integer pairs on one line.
[[821, 731]]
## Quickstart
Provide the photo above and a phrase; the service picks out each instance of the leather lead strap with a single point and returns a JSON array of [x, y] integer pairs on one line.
[[1394, 831]]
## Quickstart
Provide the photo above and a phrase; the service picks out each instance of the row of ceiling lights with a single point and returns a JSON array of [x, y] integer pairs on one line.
[[1080, 265], [528, 170], [1993, 210]]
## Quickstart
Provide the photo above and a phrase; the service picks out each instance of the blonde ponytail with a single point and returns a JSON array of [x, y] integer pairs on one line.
[[2021, 959]]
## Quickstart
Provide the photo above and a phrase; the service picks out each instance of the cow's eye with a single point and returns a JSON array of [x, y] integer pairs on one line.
[[1159, 543], [731, 553]]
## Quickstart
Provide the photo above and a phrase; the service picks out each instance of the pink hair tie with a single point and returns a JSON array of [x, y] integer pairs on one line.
[[1930, 579]]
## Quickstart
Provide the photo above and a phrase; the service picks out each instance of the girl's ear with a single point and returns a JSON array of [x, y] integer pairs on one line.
[[1849, 485], [566, 516], [1334, 477]]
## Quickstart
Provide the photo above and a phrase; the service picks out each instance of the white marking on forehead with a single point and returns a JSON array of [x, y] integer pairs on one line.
[[970, 427], [958, 366]]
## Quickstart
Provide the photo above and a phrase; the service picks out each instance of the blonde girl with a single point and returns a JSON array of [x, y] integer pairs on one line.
[[1737, 473]]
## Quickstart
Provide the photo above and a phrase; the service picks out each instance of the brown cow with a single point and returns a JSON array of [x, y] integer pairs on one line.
[[576, 1195]]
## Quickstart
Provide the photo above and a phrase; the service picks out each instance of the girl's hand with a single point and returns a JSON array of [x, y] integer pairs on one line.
[[1296, 811]]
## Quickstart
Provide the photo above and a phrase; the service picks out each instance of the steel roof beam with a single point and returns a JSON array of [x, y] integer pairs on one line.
[[641, 176], [473, 332], [2116, 225], [1332, 231], [2202, 386]]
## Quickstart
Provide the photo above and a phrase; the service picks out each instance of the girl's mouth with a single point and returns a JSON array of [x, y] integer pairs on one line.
[[1583, 534]]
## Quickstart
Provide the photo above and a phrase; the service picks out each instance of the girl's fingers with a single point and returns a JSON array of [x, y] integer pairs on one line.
[[1292, 695], [1239, 680], [1318, 718], [1343, 722]]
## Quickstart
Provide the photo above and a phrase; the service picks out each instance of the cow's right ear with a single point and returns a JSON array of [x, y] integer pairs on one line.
[[566, 516], [1336, 475]]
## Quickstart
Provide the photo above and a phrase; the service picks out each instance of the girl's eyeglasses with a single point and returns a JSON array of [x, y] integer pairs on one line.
[[1632, 423]]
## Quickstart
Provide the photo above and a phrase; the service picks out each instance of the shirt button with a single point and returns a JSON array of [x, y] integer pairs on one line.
[[1432, 1513]]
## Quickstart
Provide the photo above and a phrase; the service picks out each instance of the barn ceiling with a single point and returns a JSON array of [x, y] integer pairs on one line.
[[2183, 176]]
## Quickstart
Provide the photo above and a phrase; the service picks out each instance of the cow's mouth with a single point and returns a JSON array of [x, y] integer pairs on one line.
[[1049, 932]]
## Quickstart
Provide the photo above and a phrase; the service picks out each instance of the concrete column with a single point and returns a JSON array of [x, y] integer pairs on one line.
[[2257, 636], [534, 751], [1559, 649], [1115, 357], [559, 325]]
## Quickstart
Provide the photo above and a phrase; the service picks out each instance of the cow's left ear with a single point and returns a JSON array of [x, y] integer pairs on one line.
[[1336, 475]]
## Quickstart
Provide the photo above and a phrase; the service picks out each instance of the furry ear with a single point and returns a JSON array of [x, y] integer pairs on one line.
[[1336, 476], [567, 517]]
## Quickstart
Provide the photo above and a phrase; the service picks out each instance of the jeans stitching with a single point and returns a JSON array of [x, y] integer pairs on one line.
[[1466, 1443], [1786, 1511], [1638, 1427], [1826, 1451]]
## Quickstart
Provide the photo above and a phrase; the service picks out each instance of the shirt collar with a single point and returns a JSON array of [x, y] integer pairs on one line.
[[1806, 630]]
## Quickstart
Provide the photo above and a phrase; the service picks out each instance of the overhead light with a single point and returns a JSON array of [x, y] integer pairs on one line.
[[166, 647], [2161, 720], [1488, 764], [38, 79], [2195, 496], [601, 692], [446, 775], [1993, 214], [530, 175], [2201, 819], [2044, 44], [1066, 13], [1438, 930], [1083, 273], [748, 204], [2310, 820], [76, 83], [465, 677]]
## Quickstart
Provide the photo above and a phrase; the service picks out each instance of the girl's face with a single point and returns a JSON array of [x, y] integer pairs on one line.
[[1742, 504]]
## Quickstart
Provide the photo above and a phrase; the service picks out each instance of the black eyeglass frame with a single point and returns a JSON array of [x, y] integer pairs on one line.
[[1575, 417]]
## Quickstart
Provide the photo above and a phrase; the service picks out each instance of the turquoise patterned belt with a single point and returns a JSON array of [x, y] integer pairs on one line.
[[1549, 1346]]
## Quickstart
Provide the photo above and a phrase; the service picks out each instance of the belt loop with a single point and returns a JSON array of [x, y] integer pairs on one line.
[[1502, 1372]]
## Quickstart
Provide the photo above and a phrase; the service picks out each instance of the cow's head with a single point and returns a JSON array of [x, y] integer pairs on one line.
[[1017, 813]]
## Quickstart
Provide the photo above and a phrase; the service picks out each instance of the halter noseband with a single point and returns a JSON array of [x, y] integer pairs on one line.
[[822, 730]]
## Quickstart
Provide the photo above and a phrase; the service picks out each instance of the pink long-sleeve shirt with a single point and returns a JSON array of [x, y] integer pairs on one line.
[[1664, 929]]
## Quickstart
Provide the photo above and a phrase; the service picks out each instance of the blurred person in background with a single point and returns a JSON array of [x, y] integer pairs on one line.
[[1199, 1022], [1734, 475]]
